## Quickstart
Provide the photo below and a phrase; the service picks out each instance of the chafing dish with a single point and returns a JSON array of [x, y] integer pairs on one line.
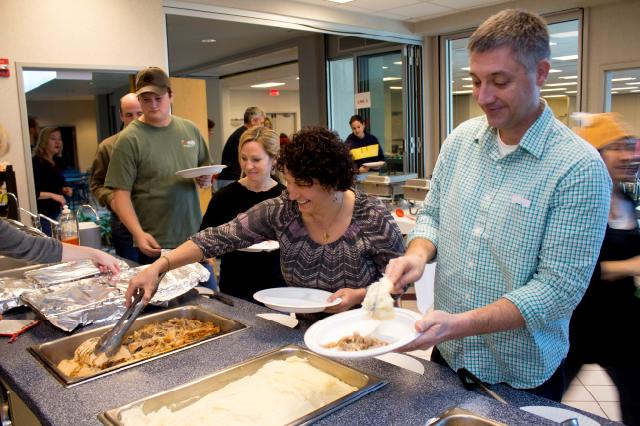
[[184, 395], [51, 353]]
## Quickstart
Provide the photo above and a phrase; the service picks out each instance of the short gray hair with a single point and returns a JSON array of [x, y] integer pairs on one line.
[[251, 113], [525, 32]]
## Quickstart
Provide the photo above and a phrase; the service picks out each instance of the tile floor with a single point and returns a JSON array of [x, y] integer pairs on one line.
[[592, 390]]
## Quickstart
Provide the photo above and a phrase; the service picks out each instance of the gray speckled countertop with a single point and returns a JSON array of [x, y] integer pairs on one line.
[[407, 399]]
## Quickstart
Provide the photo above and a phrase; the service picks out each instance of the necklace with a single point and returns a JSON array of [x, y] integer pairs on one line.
[[326, 234]]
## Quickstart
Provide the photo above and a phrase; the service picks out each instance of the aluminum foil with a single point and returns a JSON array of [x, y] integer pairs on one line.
[[88, 301], [11, 289], [174, 283], [100, 299], [66, 272]]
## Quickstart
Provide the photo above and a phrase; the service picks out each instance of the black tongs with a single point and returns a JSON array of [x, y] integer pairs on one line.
[[466, 375], [110, 341]]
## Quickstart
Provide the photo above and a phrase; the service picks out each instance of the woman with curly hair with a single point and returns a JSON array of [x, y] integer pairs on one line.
[[332, 237]]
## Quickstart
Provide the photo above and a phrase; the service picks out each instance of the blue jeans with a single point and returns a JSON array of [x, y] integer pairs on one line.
[[122, 240]]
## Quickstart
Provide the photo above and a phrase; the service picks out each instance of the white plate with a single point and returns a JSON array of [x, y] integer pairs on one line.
[[268, 245], [374, 164], [200, 171], [398, 331], [559, 414], [295, 299]]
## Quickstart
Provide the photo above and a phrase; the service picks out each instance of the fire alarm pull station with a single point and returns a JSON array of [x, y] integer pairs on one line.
[[4, 67]]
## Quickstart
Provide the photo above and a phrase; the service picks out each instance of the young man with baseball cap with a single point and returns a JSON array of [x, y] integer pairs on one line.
[[159, 208]]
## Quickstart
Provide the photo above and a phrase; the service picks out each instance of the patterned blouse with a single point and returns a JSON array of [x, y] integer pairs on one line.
[[355, 260]]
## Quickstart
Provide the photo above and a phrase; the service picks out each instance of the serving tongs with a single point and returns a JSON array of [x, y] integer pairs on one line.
[[110, 341]]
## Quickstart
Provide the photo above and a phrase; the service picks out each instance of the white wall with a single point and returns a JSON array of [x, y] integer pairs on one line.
[[239, 100], [92, 34]]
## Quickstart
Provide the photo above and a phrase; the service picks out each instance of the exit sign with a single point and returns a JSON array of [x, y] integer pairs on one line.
[[274, 92]]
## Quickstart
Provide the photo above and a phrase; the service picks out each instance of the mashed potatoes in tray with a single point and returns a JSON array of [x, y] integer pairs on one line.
[[278, 393]]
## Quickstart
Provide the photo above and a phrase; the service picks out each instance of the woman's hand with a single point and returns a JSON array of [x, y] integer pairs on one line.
[[350, 297], [67, 191], [105, 262], [363, 169], [59, 198], [147, 280]]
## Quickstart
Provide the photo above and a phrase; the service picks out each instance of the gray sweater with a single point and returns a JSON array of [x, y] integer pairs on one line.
[[15, 243]]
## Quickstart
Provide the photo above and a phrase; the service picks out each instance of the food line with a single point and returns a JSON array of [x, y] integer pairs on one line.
[[408, 398]]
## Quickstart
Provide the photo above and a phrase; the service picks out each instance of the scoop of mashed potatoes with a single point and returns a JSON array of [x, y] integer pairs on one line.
[[278, 393], [378, 301]]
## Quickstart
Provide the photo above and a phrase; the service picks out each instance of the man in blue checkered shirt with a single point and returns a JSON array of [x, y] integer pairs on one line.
[[516, 214]]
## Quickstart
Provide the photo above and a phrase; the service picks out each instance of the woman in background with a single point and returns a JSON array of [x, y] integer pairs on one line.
[[51, 187], [332, 237], [606, 323], [364, 147], [243, 273]]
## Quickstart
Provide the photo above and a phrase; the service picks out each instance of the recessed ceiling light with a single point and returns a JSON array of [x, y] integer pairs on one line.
[[461, 92], [208, 40], [467, 78], [397, 63], [552, 70], [385, 68], [569, 77], [554, 96], [622, 88], [467, 85], [465, 68], [557, 89], [391, 78], [340, 1], [623, 79], [568, 83], [395, 87], [635, 91], [565, 58], [566, 34], [265, 85], [297, 78], [571, 92], [633, 84]]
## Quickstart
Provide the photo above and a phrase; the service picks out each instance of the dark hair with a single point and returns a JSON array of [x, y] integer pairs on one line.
[[356, 118], [524, 32], [318, 154], [210, 124]]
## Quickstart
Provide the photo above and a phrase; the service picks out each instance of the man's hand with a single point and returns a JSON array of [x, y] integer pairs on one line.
[[204, 181], [436, 327], [147, 244], [404, 270], [350, 297]]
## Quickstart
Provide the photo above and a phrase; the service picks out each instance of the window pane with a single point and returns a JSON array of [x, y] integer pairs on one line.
[[341, 95], [382, 76], [622, 95]]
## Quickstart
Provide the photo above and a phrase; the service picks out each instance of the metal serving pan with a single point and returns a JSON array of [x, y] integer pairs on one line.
[[184, 395], [51, 353]]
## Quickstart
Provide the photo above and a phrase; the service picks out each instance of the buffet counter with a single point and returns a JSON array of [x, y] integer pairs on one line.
[[407, 399]]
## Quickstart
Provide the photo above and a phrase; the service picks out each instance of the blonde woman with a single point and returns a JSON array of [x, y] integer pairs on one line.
[[51, 187], [243, 273]]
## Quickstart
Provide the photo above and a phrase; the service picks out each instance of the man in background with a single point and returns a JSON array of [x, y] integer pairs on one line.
[[120, 237], [159, 208], [253, 116]]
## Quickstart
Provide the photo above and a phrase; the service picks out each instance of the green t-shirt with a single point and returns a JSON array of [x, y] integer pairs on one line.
[[145, 161]]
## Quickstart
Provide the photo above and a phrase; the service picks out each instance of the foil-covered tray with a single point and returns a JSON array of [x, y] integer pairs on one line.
[[11, 289], [51, 353], [99, 299], [65, 272], [187, 394]]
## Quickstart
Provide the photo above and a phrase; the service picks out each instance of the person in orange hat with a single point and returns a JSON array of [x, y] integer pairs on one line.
[[605, 323]]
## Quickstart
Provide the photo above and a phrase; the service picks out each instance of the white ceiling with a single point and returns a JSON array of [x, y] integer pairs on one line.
[[405, 10]]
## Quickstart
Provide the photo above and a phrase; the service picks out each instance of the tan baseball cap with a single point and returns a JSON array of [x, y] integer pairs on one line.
[[602, 129], [152, 79]]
